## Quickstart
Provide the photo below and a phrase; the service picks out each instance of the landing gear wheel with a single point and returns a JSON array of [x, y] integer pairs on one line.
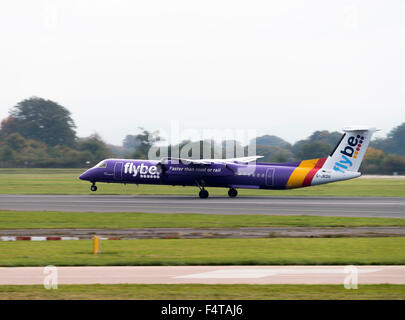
[[232, 192], [203, 194], [93, 188]]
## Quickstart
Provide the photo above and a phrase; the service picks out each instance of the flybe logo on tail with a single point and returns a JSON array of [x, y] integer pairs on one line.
[[350, 152]]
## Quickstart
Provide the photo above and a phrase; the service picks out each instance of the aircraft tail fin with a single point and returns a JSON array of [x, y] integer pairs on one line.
[[350, 151]]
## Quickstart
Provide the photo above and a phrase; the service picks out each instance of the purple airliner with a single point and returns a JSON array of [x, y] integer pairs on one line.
[[245, 172]]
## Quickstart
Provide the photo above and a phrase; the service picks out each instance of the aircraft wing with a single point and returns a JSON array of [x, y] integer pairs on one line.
[[238, 160], [212, 161]]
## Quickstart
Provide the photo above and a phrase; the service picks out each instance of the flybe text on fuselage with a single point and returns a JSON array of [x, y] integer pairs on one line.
[[350, 152], [143, 170]]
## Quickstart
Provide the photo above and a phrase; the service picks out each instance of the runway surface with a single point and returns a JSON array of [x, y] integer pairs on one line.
[[207, 275], [322, 206]]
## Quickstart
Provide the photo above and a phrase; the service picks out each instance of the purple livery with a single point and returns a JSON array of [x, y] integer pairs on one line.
[[235, 173]]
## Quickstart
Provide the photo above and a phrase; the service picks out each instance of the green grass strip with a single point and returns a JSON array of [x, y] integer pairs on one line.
[[277, 251], [205, 292], [122, 220]]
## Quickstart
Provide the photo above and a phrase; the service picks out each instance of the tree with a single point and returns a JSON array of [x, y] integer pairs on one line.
[[394, 143], [384, 144], [397, 137], [95, 149], [313, 150], [394, 163], [15, 141], [42, 120], [318, 145], [269, 140], [146, 140], [131, 142], [372, 161], [7, 127], [324, 136], [274, 154], [7, 154]]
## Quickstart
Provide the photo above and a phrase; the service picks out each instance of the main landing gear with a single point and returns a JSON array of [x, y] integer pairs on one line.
[[232, 193], [93, 187], [203, 193]]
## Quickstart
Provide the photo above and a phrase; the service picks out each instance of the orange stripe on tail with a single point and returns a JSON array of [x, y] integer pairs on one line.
[[311, 174], [298, 175], [302, 175]]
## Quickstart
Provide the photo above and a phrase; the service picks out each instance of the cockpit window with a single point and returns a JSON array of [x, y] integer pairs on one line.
[[102, 164]]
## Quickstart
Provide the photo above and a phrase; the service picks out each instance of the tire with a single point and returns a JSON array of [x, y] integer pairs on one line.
[[203, 194], [232, 193]]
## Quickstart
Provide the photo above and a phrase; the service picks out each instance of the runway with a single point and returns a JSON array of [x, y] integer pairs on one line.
[[206, 275], [321, 206]]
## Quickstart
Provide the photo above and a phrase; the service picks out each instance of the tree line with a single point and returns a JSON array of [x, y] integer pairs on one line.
[[41, 133]]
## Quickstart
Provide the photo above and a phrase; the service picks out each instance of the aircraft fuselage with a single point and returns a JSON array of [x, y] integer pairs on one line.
[[231, 175], [342, 164]]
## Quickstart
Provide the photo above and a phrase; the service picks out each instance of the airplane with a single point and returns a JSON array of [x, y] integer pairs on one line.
[[239, 173]]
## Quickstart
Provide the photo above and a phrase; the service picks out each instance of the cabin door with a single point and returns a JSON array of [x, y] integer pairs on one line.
[[118, 170], [270, 177]]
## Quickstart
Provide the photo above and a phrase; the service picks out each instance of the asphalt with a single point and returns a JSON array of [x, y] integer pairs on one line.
[[205, 275], [321, 206]]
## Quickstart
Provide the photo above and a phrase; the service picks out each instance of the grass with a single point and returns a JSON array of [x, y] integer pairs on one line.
[[277, 251], [65, 181], [120, 220], [204, 292]]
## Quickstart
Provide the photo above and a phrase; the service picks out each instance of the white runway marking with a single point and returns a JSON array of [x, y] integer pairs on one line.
[[261, 273]]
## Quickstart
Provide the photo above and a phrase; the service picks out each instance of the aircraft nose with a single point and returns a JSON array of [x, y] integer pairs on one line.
[[84, 176]]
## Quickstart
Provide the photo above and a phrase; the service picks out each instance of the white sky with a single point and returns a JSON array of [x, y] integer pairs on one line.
[[286, 68]]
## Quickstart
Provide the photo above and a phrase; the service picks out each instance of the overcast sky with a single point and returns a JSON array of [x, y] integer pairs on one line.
[[286, 68]]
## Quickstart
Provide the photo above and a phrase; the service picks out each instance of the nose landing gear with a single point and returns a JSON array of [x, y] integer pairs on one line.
[[93, 187], [232, 193], [203, 194]]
